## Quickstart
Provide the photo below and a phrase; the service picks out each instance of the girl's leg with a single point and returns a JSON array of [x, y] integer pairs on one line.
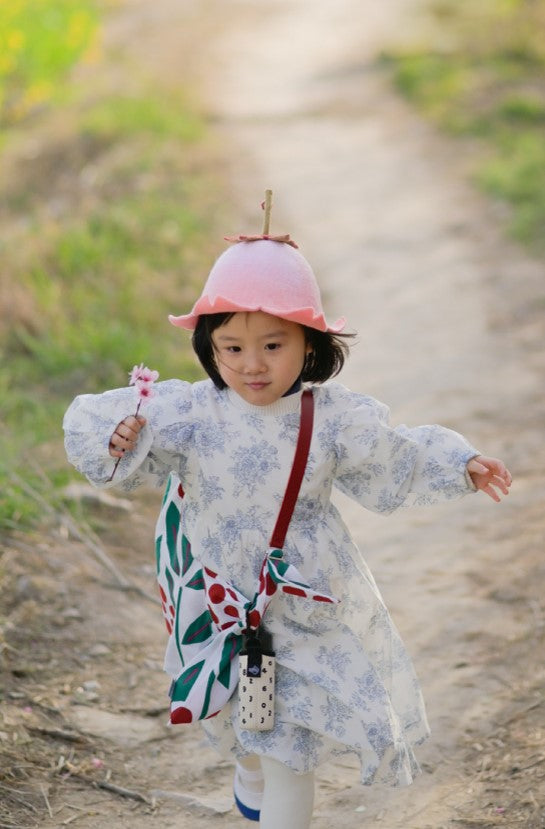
[[250, 762], [288, 797], [248, 786]]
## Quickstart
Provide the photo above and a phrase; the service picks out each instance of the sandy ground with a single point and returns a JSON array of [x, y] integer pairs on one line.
[[448, 331]]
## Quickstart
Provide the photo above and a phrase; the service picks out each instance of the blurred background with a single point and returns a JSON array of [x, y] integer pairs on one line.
[[113, 190], [114, 194], [135, 134]]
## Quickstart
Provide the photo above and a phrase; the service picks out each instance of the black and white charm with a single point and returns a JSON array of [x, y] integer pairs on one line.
[[256, 683]]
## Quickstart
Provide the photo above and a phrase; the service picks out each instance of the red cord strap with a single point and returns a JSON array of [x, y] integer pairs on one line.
[[297, 471]]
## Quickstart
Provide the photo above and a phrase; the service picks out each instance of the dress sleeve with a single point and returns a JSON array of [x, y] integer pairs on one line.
[[162, 445], [384, 467]]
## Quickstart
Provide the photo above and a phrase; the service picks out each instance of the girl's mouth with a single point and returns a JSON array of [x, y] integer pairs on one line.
[[256, 386]]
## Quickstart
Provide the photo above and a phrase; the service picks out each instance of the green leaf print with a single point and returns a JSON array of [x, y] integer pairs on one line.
[[172, 520], [170, 582], [158, 542], [181, 688], [167, 490], [187, 558], [197, 582], [206, 703], [231, 647], [198, 631]]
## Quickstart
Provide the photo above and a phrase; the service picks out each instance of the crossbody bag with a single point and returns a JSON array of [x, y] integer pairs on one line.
[[209, 620]]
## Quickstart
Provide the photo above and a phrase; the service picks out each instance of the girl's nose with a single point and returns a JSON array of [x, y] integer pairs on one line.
[[254, 363]]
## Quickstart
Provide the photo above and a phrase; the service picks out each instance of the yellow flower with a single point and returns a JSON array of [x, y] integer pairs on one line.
[[15, 40], [38, 92], [6, 64], [78, 29]]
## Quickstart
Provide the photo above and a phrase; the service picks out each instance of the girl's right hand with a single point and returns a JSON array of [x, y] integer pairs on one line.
[[125, 436]]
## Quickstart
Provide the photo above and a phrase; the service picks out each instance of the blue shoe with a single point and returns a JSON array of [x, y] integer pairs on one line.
[[248, 802]]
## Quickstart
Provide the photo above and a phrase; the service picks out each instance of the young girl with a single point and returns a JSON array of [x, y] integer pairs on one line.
[[344, 682]]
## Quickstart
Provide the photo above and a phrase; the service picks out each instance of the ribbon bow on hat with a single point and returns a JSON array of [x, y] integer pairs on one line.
[[285, 239], [266, 206]]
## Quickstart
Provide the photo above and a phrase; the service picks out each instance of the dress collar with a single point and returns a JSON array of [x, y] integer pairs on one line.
[[285, 405]]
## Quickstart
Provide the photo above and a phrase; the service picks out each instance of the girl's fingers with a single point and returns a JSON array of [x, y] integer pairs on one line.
[[488, 473], [124, 440], [502, 484], [492, 493], [496, 482], [124, 431], [126, 435], [475, 466], [503, 473], [131, 425]]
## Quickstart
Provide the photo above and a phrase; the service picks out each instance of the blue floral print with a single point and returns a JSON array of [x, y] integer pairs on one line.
[[252, 465], [345, 683]]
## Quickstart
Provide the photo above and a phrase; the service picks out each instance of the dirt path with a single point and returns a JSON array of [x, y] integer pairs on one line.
[[410, 254], [444, 309]]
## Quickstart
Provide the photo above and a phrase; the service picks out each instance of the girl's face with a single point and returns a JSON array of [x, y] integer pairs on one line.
[[259, 356]]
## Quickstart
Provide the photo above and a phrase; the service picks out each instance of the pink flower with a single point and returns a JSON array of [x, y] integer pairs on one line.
[[144, 390], [136, 373], [147, 375], [143, 379], [142, 376]]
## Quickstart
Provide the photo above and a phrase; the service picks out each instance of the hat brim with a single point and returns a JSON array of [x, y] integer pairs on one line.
[[304, 316]]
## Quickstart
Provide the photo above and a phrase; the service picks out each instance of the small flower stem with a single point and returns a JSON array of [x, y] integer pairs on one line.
[[108, 480], [113, 471]]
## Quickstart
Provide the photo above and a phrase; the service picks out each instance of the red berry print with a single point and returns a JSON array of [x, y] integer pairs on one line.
[[293, 591], [181, 715], [216, 593], [254, 618]]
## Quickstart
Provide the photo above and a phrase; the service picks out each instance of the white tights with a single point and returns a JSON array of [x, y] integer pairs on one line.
[[288, 797]]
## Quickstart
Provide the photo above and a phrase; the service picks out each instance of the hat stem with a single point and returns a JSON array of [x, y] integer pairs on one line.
[[267, 208]]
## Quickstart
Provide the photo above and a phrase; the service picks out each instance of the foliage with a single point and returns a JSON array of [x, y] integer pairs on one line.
[[484, 76], [107, 231], [40, 41]]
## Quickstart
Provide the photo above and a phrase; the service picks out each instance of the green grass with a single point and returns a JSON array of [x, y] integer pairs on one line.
[[487, 82], [40, 41], [516, 173], [164, 117], [93, 285]]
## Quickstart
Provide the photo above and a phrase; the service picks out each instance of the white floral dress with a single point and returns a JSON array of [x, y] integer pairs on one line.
[[345, 683]]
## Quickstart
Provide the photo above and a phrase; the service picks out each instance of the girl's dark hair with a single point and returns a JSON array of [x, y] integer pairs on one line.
[[329, 351]]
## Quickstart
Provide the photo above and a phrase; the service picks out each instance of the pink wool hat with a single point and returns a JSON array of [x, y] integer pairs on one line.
[[259, 274]]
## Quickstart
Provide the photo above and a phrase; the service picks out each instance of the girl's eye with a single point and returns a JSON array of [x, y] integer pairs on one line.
[[272, 346], [233, 349]]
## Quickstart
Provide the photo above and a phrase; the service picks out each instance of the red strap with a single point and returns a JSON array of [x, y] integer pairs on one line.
[[297, 471]]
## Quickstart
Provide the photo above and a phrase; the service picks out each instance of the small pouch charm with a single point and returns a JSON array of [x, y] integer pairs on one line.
[[256, 682]]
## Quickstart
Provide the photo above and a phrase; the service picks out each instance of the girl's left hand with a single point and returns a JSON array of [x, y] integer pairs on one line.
[[487, 473]]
